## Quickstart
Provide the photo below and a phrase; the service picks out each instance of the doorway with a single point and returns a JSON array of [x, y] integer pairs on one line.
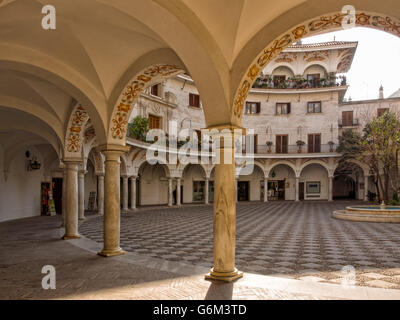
[[301, 190], [276, 190], [243, 191], [57, 194]]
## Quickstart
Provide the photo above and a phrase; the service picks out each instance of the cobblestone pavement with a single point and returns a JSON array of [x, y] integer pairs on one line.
[[285, 239]]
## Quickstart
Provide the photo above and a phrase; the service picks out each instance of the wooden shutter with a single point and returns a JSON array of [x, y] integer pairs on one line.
[[154, 90], [310, 143], [347, 118], [284, 144], [258, 107], [288, 108], [255, 142], [317, 143], [278, 144]]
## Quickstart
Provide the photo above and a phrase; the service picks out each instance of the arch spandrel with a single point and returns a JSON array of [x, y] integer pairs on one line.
[[322, 24]]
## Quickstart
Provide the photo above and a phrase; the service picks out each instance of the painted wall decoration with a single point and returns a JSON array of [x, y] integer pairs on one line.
[[131, 93], [74, 136], [312, 27]]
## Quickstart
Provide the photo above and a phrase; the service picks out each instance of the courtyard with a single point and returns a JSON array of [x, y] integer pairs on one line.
[[284, 239]]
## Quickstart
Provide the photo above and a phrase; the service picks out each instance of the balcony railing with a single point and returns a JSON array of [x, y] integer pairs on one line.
[[294, 149], [299, 83], [350, 123]]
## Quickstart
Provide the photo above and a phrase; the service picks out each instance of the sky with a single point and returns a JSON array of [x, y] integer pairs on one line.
[[376, 62]]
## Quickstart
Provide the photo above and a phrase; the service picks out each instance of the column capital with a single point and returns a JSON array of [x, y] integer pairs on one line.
[[100, 174], [82, 172], [76, 161], [133, 177], [112, 149]]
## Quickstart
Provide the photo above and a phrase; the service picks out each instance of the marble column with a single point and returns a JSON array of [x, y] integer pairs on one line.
[[133, 193], [125, 193], [366, 187], [206, 190], [170, 192], [64, 198], [112, 200], [265, 189], [71, 214], [81, 195], [224, 216], [178, 191], [330, 189], [100, 196], [297, 189]]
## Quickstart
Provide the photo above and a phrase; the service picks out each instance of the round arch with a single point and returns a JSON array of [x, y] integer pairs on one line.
[[282, 162], [321, 24], [319, 162]]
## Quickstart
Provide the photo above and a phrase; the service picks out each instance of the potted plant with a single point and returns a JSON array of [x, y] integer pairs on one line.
[[138, 128], [331, 144], [269, 145], [300, 144]]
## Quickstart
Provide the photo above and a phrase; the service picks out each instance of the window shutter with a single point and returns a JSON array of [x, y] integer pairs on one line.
[[317, 147], [310, 143], [197, 101], [284, 144], [278, 144], [258, 107], [288, 108]]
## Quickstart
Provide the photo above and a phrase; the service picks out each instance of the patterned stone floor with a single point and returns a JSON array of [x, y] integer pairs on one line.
[[285, 239]]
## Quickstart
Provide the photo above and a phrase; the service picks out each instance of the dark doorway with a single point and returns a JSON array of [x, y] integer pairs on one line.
[[243, 191], [57, 194], [301, 190], [276, 190], [44, 197]]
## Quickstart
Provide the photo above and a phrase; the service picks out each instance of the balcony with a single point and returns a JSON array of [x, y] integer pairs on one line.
[[294, 149], [348, 124], [299, 83]]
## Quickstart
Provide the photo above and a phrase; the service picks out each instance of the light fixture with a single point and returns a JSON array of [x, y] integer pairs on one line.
[[32, 163]]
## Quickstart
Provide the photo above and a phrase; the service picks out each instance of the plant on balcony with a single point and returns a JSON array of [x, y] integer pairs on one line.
[[269, 145], [331, 144], [300, 144], [138, 128]]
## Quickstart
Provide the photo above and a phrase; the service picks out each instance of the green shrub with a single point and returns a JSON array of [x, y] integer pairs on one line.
[[138, 128]]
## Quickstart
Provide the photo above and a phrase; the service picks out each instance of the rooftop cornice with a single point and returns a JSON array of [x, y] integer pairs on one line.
[[333, 45]]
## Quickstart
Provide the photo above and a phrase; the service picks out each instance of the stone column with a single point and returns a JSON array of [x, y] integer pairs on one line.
[[224, 215], [133, 193], [64, 198], [265, 189], [71, 214], [100, 196], [366, 181], [170, 194], [178, 191], [125, 193], [330, 189], [112, 200], [81, 196], [297, 189], [206, 190]]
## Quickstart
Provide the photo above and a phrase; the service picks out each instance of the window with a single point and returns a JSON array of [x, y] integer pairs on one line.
[[279, 81], [282, 143], [314, 143], [154, 122], [249, 143], [198, 191], [313, 80], [194, 100], [314, 107], [154, 90], [347, 118], [253, 107], [381, 111], [282, 108], [314, 187]]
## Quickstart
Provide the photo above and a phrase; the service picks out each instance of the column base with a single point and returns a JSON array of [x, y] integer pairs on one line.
[[111, 253], [224, 276], [83, 218], [70, 237]]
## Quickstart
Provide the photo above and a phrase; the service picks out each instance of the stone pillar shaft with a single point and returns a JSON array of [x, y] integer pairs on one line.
[[206, 190], [81, 196], [178, 191], [133, 193], [330, 189], [125, 193], [170, 194], [265, 190], [71, 216], [224, 219], [112, 201], [100, 197], [297, 189], [64, 197]]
